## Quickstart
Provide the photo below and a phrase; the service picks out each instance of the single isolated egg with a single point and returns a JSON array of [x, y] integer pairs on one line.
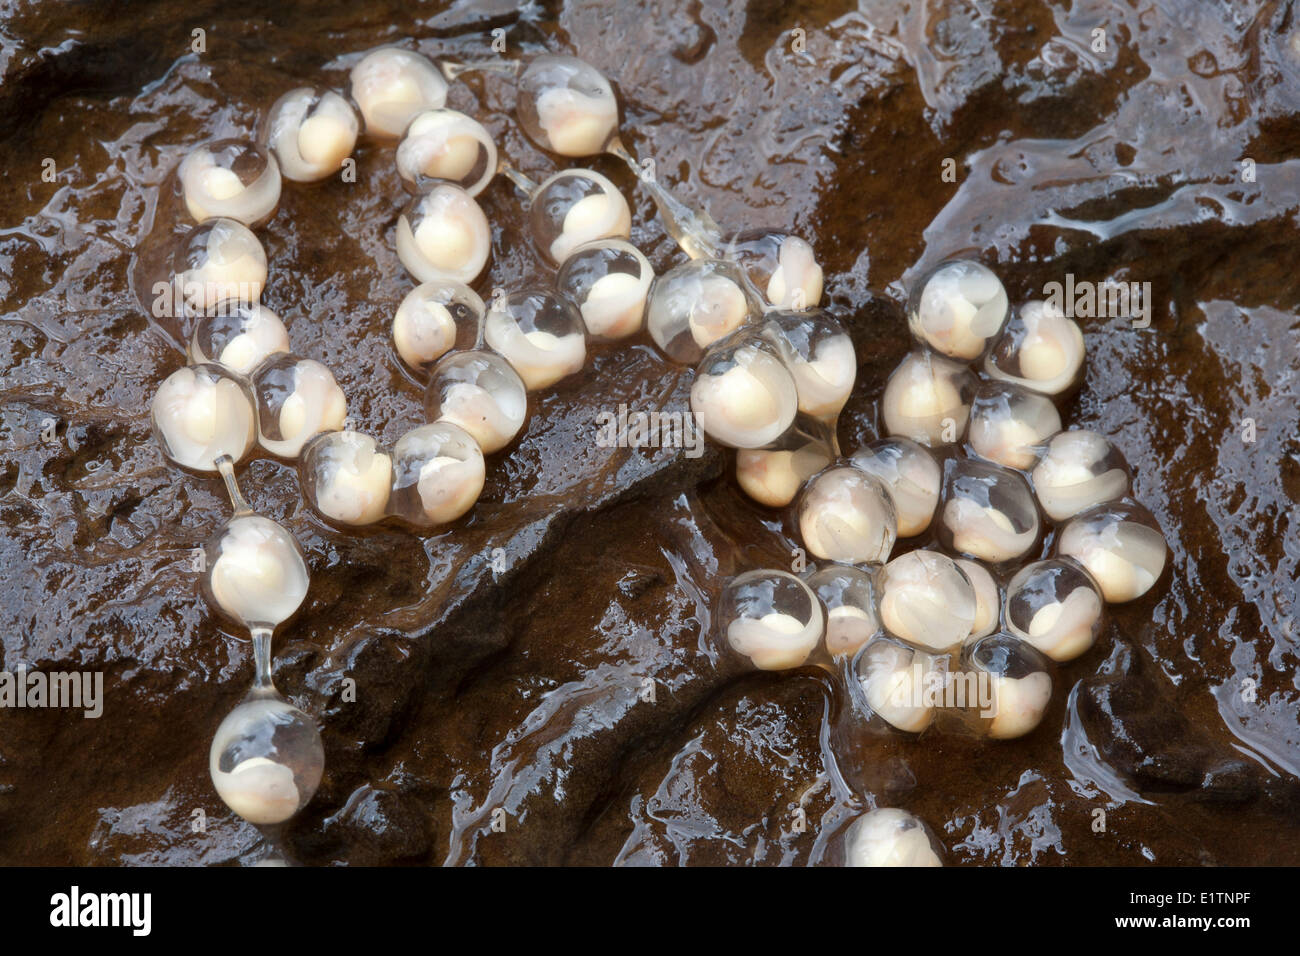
[[696, 304], [201, 413], [927, 399], [256, 572], [266, 759], [1120, 545], [958, 309], [567, 106], [438, 474], [392, 86], [230, 179], [988, 512], [434, 318], [770, 618], [443, 235], [927, 600], [609, 281], [539, 333], [1055, 606], [743, 395], [575, 207], [312, 132], [1078, 469], [1041, 350], [297, 398], [890, 837], [847, 515], [346, 477], [480, 392]]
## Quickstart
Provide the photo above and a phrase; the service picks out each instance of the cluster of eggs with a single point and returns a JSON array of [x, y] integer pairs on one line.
[[1023, 530]]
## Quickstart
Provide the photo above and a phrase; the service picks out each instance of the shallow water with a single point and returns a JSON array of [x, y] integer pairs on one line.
[[521, 688]]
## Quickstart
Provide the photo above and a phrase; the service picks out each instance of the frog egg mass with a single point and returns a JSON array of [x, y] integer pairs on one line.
[[433, 318], [820, 356], [230, 180], [695, 304], [771, 618], [480, 392], [202, 412], [438, 473], [988, 512], [392, 86], [567, 106], [238, 338], [266, 759], [540, 334], [912, 476], [347, 477], [889, 837], [958, 309], [1008, 422], [311, 132], [849, 596], [744, 396], [1120, 545], [256, 572], [609, 281], [1041, 350], [1020, 685], [444, 235], [297, 399], [927, 600], [847, 515], [1054, 606], [219, 261], [574, 207], [446, 145], [1078, 469], [927, 399]]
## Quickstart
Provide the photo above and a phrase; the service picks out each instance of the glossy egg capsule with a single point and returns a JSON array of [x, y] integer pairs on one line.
[[446, 146], [392, 86], [743, 395], [890, 837], [219, 261], [347, 477], [239, 337], [539, 333], [567, 106], [847, 515], [781, 266], [1008, 422], [574, 207], [266, 759], [927, 399], [988, 512], [1041, 350], [1055, 606], [891, 678], [230, 179], [438, 474], [609, 281], [256, 572], [927, 600], [311, 132], [819, 354], [1019, 685], [696, 304], [770, 618], [202, 412], [848, 595], [1120, 545], [959, 309], [988, 599], [1076, 470], [297, 398], [479, 391], [434, 318], [773, 476], [912, 476], [444, 235]]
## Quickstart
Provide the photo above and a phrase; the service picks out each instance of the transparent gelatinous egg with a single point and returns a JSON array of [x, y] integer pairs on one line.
[[574, 207], [1120, 545], [891, 678], [567, 106], [773, 476], [927, 399], [438, 474], [392, 86], [446, 146], [434, 318], [311, 132], [849, 596], [959, 308], [781, 266], [820, 356], [743, 395], [927, 600], [770, 617], [988, 600], [230, 179], [890, 837], [1019, 685], [1055, 606], [1041, 349], [1077, 470], [609, 281], [256, 572], [239, 337], [988, 512], [847, 515], [1007, 422], [539, 333], [297, 398], [444, 235], [695, 304], [912, 476], [266, 759], [219, 261], [347, 477], [202, 412], [480, 392]]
